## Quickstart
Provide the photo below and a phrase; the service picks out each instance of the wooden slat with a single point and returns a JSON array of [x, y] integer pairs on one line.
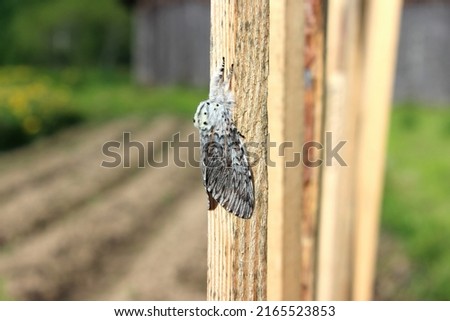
[[237, 248], [337, 205], [285, 125], [380, 43], [314, 55]]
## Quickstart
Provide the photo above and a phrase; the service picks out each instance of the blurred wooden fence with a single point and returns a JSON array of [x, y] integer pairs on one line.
[[305, 71]]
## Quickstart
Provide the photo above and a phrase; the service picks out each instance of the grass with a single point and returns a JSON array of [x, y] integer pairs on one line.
[[106, 94], [36, 102], [416, 204]]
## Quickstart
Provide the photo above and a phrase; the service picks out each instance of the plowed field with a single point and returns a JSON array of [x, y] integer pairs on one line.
[[71, 229]]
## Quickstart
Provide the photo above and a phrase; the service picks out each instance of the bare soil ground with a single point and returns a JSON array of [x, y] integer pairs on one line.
[[73, 230]]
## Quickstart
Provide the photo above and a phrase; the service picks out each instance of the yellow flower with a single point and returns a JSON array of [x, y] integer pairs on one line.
[[18, 102]]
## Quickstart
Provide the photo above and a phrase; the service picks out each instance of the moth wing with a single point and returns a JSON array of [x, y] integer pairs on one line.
[[212, 165], [226, 173]]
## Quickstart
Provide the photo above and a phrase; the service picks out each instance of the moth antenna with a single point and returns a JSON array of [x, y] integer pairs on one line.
[[230, 76]]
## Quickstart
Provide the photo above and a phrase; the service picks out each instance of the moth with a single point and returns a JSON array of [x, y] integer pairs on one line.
[[226, 173]]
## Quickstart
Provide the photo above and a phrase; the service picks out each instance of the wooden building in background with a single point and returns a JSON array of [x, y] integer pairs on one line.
[[171, 45], [170, 41], [423, 67]]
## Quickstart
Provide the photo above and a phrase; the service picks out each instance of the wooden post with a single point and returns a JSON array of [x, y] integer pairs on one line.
[[237, 248], [337, 201], [381, 36], [361, 50], [285, 126], [314, 55]]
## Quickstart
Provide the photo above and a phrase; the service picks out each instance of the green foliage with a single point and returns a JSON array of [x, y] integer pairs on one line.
[[31, 105], [76, 32], [109, 99], [7, 11], [36, 102], [104, 94], [416, 199]]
